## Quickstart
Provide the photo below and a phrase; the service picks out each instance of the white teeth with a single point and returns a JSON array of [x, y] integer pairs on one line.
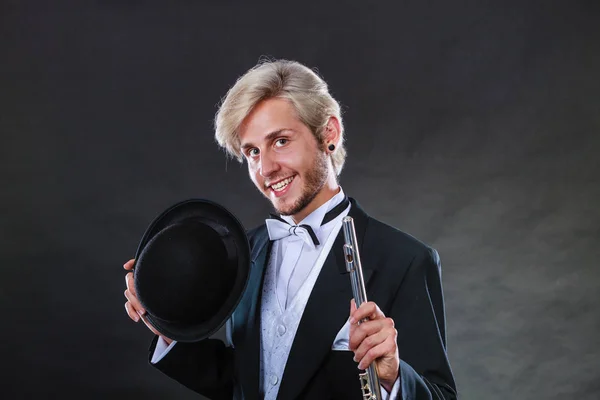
[[282, 184]]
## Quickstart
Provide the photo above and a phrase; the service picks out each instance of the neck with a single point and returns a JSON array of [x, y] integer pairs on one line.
[[330, 189]]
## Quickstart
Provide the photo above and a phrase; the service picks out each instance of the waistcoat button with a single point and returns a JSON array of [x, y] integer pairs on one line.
[[281, 330]]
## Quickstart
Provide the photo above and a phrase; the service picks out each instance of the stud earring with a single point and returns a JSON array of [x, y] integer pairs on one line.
[[331, 147]]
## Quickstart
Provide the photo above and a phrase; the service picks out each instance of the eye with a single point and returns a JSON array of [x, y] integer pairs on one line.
[[281, 142], [253, 152]]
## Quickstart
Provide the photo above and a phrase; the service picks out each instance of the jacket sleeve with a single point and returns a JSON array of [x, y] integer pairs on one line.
[[419, 316], [206, 367]]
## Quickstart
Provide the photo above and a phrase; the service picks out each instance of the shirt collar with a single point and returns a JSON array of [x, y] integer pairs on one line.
[[314, 218]]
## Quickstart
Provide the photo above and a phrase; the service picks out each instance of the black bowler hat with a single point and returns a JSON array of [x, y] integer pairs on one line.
[[191, 269]]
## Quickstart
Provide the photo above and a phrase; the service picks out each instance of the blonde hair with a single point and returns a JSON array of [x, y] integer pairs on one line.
[[302, 87]]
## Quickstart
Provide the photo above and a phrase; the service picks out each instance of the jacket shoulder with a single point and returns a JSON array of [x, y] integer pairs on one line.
[[256, 233], [391, 239]]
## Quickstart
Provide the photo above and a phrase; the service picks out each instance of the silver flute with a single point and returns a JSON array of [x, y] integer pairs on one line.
[[369, 380]]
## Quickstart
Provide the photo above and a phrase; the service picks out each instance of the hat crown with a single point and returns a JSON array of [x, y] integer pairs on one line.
[[186, 274], [192, 266]]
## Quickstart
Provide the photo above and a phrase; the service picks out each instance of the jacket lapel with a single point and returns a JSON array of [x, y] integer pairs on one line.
[[327, 310], [246, 320]]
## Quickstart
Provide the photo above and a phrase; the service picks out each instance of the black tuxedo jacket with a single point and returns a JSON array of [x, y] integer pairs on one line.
[[402, 276]]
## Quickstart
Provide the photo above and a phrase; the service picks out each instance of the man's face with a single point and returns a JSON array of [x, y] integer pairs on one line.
[[285, 161]]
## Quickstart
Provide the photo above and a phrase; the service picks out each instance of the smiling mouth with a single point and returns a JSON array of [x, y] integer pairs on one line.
[[282, 184]]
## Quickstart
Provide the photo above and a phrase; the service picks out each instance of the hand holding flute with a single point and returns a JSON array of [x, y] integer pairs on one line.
[[372, 334], [374, 340]]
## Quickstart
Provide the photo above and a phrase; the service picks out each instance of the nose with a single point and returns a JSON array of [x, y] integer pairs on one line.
[[268, 165]]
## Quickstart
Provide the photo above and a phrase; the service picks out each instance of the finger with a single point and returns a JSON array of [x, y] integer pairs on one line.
[[352, 318], [352, 310], [129, 264], [385, 348], [131, 312], [368, 310], [135, 302], [366, 329], [369, 342], [129, 282], [355, 316]]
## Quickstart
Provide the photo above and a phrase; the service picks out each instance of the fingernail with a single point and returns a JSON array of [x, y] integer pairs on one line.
[[141, 312], [352, 320], [355, 360], [136, 318]]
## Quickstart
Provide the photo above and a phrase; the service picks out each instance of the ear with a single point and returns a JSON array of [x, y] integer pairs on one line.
[[332, 132]]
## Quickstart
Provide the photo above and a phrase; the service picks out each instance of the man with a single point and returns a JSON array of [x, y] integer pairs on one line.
[[295, 332]]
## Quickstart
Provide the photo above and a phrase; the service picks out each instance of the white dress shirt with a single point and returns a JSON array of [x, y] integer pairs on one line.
[[295, 260]]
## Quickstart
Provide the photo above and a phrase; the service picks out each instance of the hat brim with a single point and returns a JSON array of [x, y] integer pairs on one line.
[[219, 215]]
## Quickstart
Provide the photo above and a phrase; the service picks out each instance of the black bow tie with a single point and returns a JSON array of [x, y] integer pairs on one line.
[[331, 215]]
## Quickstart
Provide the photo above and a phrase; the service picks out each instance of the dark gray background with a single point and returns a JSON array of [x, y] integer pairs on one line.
[[471, 125]]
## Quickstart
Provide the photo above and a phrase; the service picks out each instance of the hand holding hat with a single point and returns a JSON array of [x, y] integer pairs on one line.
[[133, 306]]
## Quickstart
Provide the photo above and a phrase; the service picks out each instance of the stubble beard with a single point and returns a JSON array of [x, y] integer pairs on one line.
[[315, 179]]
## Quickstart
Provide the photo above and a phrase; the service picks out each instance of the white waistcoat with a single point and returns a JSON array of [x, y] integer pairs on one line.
[[278, 326]]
